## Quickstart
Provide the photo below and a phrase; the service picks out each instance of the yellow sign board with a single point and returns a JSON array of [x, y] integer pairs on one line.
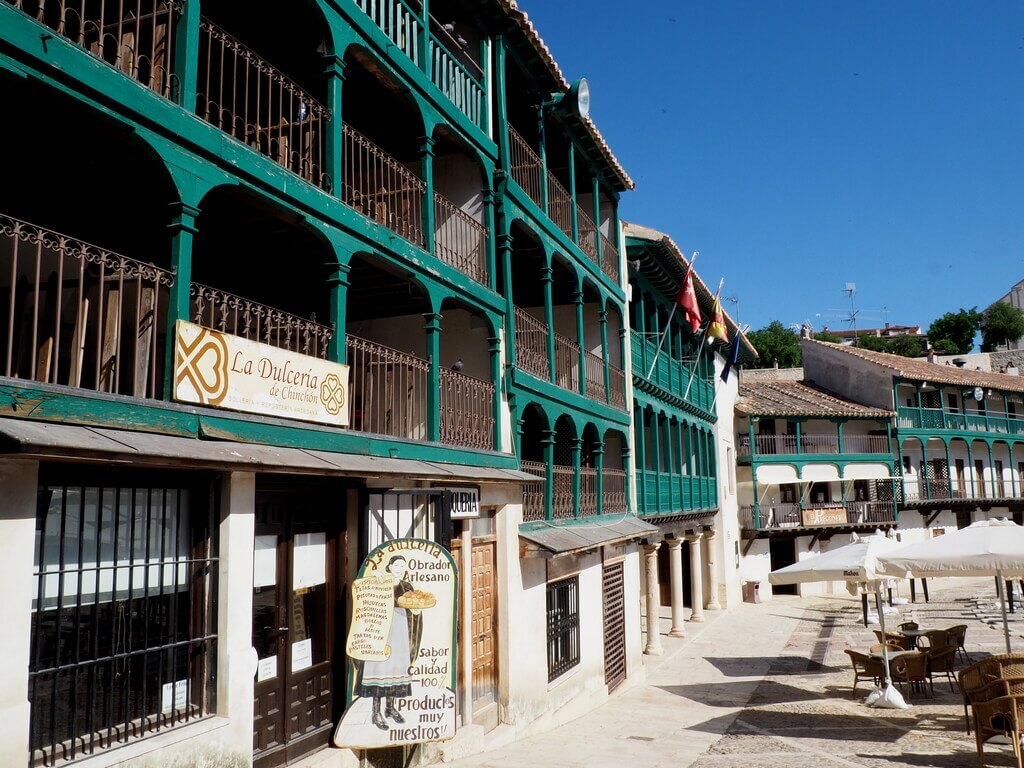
[[824, 516], [225, 371]]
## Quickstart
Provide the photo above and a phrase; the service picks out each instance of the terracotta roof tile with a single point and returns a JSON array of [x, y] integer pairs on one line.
[[917, 369], [521, 19], [799, 398]]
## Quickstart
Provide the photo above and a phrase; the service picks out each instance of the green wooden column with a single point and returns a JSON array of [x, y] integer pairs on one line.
[[1013, 469], [490, 255], [602, 318], [669, 459], [681, 442], [581, 338], [500, 103], [339, 285], [504, 243], [799, 440], [691, 465], [839, 435], [574, 210], [334, 161], [186, 55], [626, 455], [598, 450], [542, 152], [970, 467], [432, 325], [485, 111], [595, 213], [949, 467], [183, 230], [549, 318], [547, 442], [427, 170], [424, 39], [494, 350], [924, 469], [577, 450]]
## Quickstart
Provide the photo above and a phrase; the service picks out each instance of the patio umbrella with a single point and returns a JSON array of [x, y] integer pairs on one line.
[[855, 563], [986, 548]]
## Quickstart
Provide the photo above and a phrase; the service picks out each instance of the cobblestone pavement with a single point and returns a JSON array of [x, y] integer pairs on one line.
[[770, 685]]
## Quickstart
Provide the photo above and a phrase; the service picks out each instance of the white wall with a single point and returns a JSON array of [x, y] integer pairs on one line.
[[727, 520]]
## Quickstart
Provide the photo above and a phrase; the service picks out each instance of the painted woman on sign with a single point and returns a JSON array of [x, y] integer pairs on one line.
[[389, 679]]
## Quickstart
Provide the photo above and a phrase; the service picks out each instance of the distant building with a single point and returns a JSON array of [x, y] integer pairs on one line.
[[1015, 298], [886, 332]]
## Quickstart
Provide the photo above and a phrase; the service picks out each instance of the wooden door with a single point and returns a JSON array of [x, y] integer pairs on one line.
[[614, 610], [484, 624], [292, 628], [979, 472]]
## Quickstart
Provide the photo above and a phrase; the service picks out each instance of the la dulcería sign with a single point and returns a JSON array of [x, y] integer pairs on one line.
[[225, 371]]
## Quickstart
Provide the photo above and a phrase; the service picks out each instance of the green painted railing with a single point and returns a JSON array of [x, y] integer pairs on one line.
[[662, 493], [670, 374], [938, 418]]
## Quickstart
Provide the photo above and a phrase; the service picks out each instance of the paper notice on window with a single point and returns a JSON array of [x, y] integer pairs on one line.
[[266, 669], [302, 655], [174, 696], [309, 566], [373, 608], [264, 562]]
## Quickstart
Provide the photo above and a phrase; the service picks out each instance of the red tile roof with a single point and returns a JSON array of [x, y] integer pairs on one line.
[[799, 398]]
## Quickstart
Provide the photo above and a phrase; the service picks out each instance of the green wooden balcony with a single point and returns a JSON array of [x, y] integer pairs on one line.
[[809, 446], [670, 375], [939, 418], [664, 493], [789, 517]]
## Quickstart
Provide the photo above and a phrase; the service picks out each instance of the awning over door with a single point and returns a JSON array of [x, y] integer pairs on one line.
[[44, 440], [820, 473], [555, 540], [777, 474], [867, 471]]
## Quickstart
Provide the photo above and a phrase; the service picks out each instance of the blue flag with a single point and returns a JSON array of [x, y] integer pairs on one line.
[[734, 355]]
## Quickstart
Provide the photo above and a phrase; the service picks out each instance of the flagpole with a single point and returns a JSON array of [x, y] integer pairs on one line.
[[700, 347], [668, 323], [714, 400]]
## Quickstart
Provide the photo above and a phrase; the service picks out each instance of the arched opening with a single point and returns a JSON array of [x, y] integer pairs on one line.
[[238, 231], [535, 426], [615, 333], [467, 389], [589, 449], [563, 468], [385, 348], [382, 145], [613, 473], [85, 275], [460, 232], [524, 131], [527, 289], [594, 350], [564, 286], [261, 80]]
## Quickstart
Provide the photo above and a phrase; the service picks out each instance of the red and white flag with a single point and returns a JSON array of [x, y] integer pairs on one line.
[[687, 299]]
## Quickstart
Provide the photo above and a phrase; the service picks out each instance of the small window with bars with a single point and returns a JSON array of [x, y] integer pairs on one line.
[[563, 626], [123, 614]]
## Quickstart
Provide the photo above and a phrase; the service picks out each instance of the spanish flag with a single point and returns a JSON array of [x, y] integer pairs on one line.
[[717, 330], [687, 299]]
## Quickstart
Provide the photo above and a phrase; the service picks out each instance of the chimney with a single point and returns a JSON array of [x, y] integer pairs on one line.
[[959, 362]]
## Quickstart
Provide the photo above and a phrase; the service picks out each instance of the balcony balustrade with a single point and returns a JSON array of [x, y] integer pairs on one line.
[[532, 345], [777, 517], [467, 410], [559, 205], [134, 37], [459, 240], [941, 489], [773, 445], [525, 166], [588, 233], [613, 486], [227, 313], [80, 315], [243, 95], [610, 259], [669, 374], [567, 363], [561, 497], [664, 493], [588, 491], [594, 372], [617, 386], [533, 493], [388, 390], [397, 20], [939, 418]]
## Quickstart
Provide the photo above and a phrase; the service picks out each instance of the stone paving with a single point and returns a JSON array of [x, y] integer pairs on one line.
[[769, 685]]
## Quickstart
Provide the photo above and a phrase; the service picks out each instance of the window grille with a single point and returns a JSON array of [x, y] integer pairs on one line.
[[563, 626], [122, 616]]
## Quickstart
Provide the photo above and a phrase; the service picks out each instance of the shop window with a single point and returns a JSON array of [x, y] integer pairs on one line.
[[563, 626], [122, 615]]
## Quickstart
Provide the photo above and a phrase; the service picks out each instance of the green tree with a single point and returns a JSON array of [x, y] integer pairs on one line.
[[775, 343], [944, 347], [907, 346], [874, 343], [831, 338], [1000, 323], [958, 328]]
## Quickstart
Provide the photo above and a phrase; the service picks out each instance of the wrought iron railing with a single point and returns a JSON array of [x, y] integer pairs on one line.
[[588, 491], [793, 515], [228, 313], [938, 418], [559, 205], [594, 372], [135, 36], [588, 233], [80, 315], [613, 491], [381, 188], [567, 363], [532, 345], [388, 390], [610, 258], [617, 386], [243, 95], [460, 240], [533, 493], [525, 166], [561, 492], [467, 410]]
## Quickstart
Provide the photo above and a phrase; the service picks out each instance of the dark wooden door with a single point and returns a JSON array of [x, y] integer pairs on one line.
[[782, 553], [614, 610], [485, 635], [293, 632]]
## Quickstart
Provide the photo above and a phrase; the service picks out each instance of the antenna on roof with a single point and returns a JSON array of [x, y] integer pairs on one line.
[[851, 291]]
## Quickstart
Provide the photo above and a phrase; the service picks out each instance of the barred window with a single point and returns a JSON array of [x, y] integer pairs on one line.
[[563, 626], [123, 613]]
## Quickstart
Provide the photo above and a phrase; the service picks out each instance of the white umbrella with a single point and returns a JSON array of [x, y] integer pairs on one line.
[[986, 548], [855, 563]]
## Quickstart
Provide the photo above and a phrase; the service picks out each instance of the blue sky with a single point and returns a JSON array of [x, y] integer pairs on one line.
[[803, 145]]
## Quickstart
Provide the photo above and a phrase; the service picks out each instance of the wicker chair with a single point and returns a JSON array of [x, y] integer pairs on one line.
[[999, 716], [864, 667], [957, 637], [909, 625], [911, 668], [975, 681], [903, 643], [939, 638], [940, 662], [891, 647]]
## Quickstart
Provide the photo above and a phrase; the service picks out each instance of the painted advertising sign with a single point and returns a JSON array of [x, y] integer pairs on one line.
[[401, 648], [824, 516], [225, 371]]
